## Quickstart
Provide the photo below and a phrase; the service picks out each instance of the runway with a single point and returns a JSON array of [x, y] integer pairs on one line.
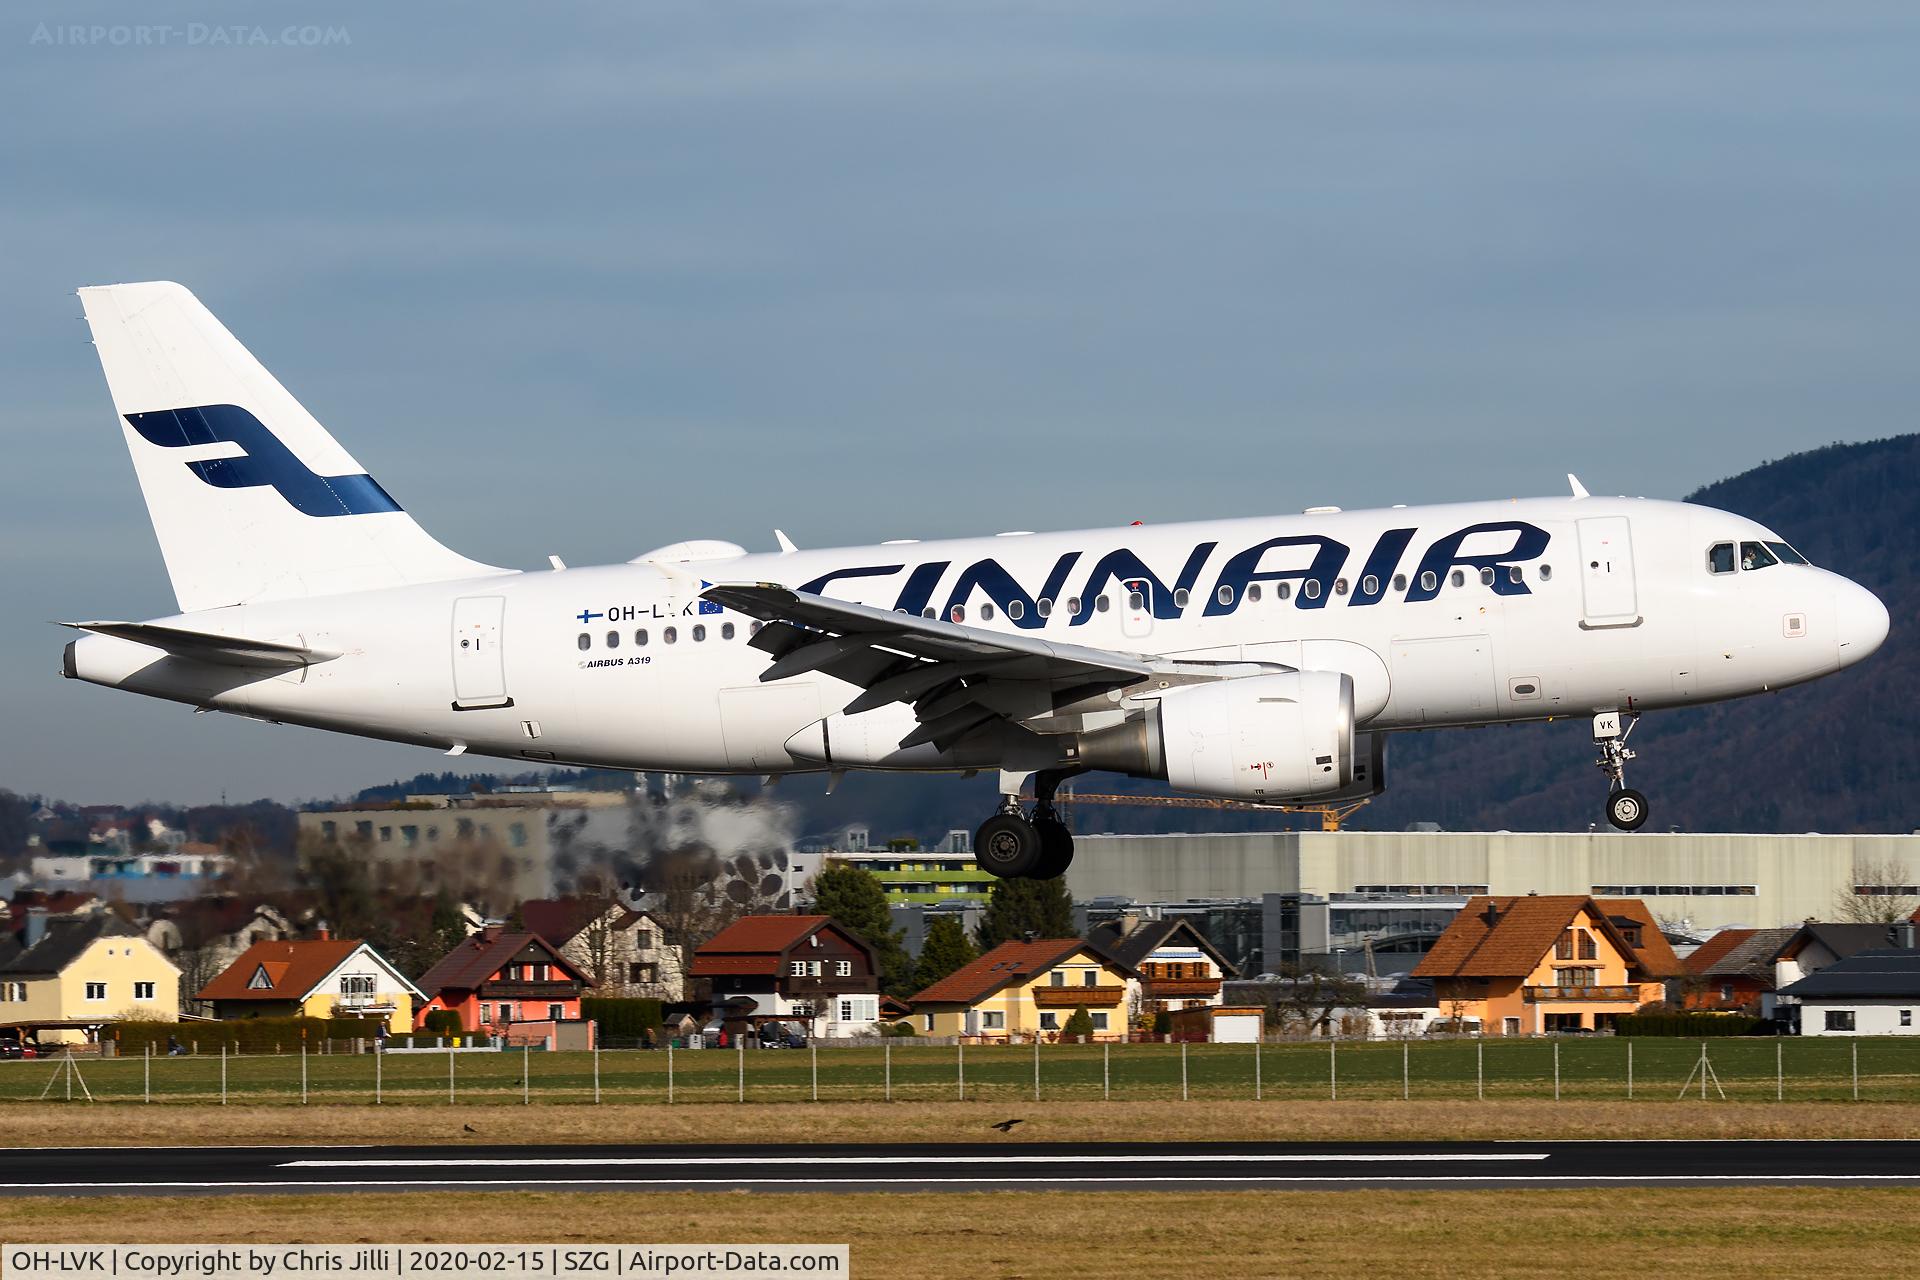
[[954, 1167]]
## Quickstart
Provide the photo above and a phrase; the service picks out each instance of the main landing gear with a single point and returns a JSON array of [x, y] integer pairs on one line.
[[1014, 846], [1626, 808]]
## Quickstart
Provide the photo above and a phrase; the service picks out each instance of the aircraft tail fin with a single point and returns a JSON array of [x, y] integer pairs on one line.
[[250, 497]]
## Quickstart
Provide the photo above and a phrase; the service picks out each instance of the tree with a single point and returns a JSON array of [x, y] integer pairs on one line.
[[1080, 1026], [1017, 908], [1875, 897], [1306, 1003], [855, 898], [946, 950]]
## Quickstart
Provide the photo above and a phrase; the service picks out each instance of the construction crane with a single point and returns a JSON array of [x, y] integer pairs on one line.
[[1331, 815]]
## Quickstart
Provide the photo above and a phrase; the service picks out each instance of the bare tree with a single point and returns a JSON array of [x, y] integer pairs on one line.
[[1305, 1003], [1882, 893]]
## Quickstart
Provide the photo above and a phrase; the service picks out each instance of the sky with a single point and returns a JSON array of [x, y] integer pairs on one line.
[[588, 279]]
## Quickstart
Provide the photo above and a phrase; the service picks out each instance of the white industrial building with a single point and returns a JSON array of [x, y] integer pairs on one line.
[[1706, 882]]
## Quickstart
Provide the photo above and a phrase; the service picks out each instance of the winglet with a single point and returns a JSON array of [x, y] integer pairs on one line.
[[786, 544], [1573, 481]]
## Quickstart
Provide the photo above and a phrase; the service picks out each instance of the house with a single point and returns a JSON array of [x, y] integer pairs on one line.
[[1734, 969], [497, 978], [1027, 989], [204, 936], [625, 952], [313, 978], [81, 972], [1545, 963], [1815, 945], [1173, 965], [1875, 992], [809, 969]]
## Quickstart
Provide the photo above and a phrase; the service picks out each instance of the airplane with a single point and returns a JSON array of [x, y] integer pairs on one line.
[[1266, 659]]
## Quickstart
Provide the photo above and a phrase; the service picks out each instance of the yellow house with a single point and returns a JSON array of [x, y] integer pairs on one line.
[[84, 972], [314, 978], [1022, 989]]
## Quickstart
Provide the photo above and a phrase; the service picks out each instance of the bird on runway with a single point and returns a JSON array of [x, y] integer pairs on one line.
[[1006, 1126]]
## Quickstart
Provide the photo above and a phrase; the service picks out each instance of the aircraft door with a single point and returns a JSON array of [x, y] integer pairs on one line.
[[1608, 593], [479, 656], [1136, 608]]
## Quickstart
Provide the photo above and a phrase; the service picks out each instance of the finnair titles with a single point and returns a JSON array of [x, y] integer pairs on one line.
[[1264, 659]]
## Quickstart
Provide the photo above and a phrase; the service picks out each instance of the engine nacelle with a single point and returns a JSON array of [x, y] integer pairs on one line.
[[1369, 770], [1281, 737]]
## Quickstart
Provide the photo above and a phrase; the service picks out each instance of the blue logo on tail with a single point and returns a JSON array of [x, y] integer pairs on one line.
[[266, 462]]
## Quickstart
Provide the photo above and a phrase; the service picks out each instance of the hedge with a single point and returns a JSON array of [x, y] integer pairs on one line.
[[622, 1018], [442, 1022], [1690, 1025], [244, 1035]]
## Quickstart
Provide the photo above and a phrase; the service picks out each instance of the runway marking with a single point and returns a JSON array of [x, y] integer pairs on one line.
[[489, 1162], [1110, 1180]]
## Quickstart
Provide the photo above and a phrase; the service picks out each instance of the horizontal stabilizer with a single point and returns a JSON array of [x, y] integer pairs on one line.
[[207, 646]]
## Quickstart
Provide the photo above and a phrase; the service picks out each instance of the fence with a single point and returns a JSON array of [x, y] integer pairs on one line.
[[1595, 1069]]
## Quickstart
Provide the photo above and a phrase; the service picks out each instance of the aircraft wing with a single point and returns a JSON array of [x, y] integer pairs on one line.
[[955, 677], [208, 646]]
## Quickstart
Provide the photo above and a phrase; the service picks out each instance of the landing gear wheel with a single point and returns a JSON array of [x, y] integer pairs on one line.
[[1627, 809], [1007, 846], [1056, 848]]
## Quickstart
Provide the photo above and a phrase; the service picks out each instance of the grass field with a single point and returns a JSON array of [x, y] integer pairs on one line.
[[1800, 1231], [1592, 1069]]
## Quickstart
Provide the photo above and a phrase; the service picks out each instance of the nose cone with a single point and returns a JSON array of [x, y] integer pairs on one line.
[[1860, 623]]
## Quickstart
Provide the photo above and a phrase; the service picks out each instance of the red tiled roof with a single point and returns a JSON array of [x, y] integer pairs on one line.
[[754, 945], [294, 967], [484, 954], [1525, 931], [1710, 952], [1007, 963], [558, 920]]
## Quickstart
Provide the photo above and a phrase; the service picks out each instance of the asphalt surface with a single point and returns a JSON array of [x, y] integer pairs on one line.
[[952, 1167]]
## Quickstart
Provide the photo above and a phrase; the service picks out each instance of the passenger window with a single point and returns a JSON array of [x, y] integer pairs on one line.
[[958, 613], [1284, 590], [1720, 558], [1224, 595], [1253, 594], [1428, 582], [927, 612], [1399, 582], [1754, 555], [1339, 586], [1514, 573], [1016, 609], [586, 641], [1546, 572], [1459, 578], [1044, 608], [986, 613], [1136, 601], [726, 631], [1370, 585], [640, 637], [669, 635], [1180, 597], [1073, 607], [1310, 588], [613, 639], [1486, 577], [1101, 604], [699, 632]]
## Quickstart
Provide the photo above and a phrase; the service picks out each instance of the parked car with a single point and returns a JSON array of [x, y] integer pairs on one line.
[[783, 1035], [13, 1047]]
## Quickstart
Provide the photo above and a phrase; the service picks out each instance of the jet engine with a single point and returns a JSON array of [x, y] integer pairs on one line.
[[1285, 736]]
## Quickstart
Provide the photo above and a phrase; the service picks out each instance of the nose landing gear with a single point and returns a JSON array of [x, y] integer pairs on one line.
[[1012, 846], [1626, 808]]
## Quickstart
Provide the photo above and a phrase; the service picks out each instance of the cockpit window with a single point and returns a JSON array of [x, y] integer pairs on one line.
[[1754, 555], [1786, 553], [1720, 558]]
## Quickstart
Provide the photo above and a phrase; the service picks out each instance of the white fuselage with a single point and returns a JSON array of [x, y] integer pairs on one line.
[[1534, 609]]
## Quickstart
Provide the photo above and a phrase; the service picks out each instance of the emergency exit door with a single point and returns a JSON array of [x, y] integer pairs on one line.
[[479, 658], [1608, 594]]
